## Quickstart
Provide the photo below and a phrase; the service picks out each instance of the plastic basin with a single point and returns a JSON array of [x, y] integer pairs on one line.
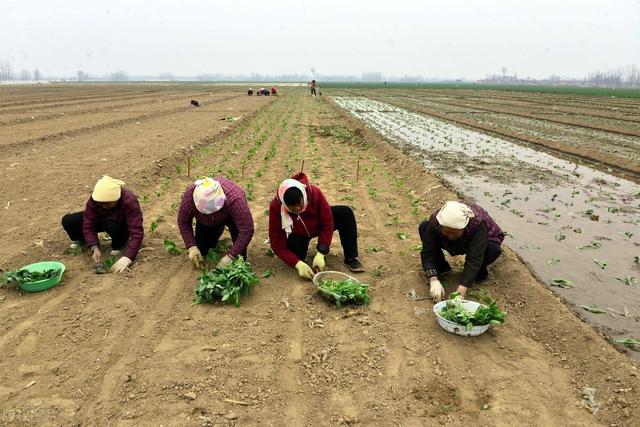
[[45, 284], [456, 328]]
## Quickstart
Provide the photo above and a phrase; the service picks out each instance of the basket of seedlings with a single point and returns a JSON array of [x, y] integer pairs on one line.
[[226, 284], [36, 277], [467, 318], [340, 288]]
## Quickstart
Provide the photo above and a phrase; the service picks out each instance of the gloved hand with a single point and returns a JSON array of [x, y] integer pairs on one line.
[[195, 256], [226, 260], [304, 270], [436, 290], [96, 255], [318, 262], [121, 265]]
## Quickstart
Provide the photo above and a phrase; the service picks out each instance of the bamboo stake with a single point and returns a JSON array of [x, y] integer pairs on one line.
[[302, 166], [358, 170]]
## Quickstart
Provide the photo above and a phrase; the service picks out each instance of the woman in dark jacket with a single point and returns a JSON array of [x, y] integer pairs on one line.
[[116, 211], [459, 228], [299, 213], [215, 204]]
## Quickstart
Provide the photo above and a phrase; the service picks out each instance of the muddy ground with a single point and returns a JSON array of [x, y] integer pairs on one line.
[[132, 350]]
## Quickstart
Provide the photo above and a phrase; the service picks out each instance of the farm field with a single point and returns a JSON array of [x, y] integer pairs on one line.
[[131, 349]]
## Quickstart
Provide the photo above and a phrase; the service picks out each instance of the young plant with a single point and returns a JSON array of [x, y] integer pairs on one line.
[[630, 343], [593, 309], [19, 277], [629, 280], [602, 264], [561, 283], [484, 315], [170, 247]]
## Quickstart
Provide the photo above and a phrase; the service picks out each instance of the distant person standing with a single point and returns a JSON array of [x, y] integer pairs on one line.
[[312, 85]]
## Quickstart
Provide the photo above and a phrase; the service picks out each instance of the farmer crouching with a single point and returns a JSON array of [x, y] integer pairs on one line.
[[114, 210], [215, 204], [300, 212], [459, 228]]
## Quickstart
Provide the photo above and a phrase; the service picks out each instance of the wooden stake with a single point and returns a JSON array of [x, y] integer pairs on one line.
[[302, 166], [358, 170], [189, 166]]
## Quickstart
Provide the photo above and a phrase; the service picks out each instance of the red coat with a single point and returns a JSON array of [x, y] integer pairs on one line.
[[317, 219]]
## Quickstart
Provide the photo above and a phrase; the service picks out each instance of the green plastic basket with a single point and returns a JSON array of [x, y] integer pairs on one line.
[[45, 284]]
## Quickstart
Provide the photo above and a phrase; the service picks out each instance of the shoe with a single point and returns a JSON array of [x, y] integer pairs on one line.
[[354, 265], [74, 245], [115, 252]]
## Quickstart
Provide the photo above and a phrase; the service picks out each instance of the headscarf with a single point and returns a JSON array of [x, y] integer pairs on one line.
[[208, 196], [107, 189], [287, 221], [454, 215]]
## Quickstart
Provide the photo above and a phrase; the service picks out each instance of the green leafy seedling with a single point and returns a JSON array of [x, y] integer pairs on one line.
[[593, 309], [170, 247], [561, 283]]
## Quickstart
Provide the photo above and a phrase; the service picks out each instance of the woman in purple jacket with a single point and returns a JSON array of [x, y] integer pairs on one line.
[[215, 204], [459, 228], [116, 211]]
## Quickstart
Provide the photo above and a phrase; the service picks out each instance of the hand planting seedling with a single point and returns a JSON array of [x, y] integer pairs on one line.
[[20, 277], [345, 291], [104, 267], [170, 247], [484, 315], [226, 284]]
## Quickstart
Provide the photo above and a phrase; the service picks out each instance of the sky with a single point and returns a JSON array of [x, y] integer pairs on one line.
[[438, 39]]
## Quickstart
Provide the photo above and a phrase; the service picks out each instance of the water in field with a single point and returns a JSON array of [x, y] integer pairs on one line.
[[566, 220]]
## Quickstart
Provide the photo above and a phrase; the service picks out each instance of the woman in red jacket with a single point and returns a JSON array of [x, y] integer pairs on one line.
[[300, 212]]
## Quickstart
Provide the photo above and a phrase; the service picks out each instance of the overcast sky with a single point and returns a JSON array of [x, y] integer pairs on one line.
[[446, 38]]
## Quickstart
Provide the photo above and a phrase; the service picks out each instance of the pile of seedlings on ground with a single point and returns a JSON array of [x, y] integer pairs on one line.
[[226, 284]]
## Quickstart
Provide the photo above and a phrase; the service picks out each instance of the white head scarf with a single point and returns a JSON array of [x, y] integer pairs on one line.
[[107, 189], [287, 221], [454, 215], [208, 196]]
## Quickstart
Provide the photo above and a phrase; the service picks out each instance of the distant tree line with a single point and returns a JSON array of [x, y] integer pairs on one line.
[[620, 77]]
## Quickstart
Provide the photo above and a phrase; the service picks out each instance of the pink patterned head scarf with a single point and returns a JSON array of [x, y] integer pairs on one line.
[[208, 196], [287, 221]]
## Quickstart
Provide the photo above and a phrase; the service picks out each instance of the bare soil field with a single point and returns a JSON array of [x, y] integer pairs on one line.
[[132, 349]]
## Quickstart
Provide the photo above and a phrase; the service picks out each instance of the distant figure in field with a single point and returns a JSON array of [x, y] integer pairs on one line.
[[312, 85], [250, 92], [274, 91], [195, 103], [265, 92]]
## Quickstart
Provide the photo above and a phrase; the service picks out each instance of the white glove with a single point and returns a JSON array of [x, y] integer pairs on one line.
[[226, 260], [318, 262], [304, 270], [121, 265], [195, 256], [436, 290]]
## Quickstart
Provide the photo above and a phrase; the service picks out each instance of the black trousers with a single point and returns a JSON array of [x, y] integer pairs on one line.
[[345, 222], [313, 91], [207, 237], [491, 253], [118, 231]]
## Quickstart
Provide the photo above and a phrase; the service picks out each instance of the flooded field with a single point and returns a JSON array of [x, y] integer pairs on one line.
[[576, 227]]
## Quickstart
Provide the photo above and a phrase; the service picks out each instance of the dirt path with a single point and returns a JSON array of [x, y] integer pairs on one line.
[[131, 350]]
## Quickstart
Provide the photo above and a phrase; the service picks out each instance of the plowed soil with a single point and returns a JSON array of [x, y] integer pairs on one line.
[[131, 349]]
